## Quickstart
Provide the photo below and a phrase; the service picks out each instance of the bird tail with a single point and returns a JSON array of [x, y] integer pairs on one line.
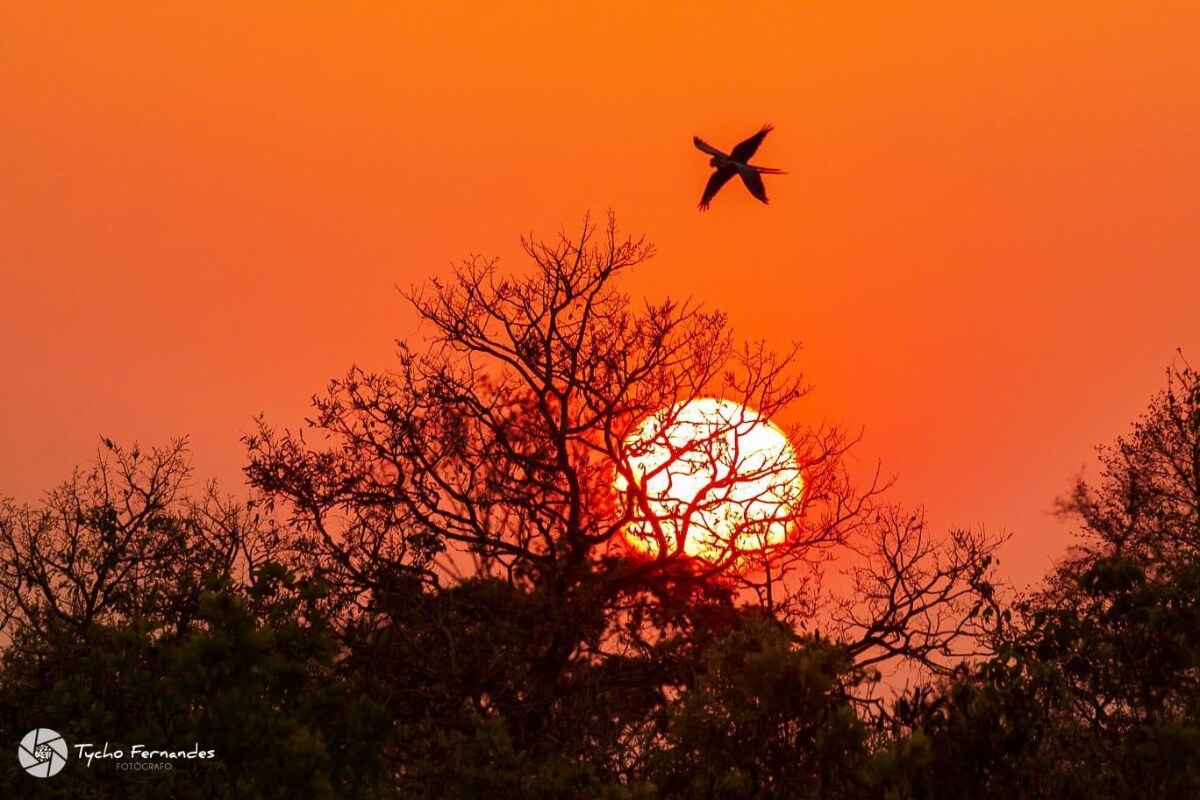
[[767, 170]]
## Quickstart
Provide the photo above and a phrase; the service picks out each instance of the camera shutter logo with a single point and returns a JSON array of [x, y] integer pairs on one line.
[[43, 752]]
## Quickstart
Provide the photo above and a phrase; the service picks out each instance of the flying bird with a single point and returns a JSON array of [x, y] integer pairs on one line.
[[735, 163]]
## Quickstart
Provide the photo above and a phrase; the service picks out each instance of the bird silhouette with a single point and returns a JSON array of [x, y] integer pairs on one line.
[[735, 163]]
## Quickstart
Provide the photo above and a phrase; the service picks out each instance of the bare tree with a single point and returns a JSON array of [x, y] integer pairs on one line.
[[918, 597], [123, 541], [534, 439]]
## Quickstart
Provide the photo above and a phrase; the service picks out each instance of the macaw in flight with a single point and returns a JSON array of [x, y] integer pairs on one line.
[[735, 163]]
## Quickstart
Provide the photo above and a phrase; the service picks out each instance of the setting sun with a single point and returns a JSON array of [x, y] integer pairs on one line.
[[712, 474]]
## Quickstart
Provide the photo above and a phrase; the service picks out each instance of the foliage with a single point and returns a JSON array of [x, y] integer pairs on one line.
[[765, 715], [1096, 692], [428, 595], [140, 615]]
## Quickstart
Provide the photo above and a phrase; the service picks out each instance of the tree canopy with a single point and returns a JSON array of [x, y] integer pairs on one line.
[[429, 592]]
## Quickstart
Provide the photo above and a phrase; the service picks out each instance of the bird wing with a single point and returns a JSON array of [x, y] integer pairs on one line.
[[745, 150], [706, 147], [715, 183], [754, 183]]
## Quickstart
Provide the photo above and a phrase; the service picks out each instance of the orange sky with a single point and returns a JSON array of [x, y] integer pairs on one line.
[[987, 241]]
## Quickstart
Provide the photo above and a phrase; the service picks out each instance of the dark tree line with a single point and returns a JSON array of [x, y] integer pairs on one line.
[[429, 594]]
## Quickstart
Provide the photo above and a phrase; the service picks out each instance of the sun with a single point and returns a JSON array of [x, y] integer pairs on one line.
[[713, 475]]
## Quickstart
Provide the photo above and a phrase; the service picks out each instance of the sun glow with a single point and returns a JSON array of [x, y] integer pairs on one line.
[[712, 474]]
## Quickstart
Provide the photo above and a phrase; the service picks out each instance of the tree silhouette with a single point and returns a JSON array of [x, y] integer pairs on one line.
[[519, 564], [124, 542], [495, 453], [1120, 617], [474, 484], [1095, 688], [135, 612]]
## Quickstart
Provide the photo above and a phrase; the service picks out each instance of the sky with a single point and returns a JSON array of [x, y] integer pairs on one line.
[[987, 241]]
